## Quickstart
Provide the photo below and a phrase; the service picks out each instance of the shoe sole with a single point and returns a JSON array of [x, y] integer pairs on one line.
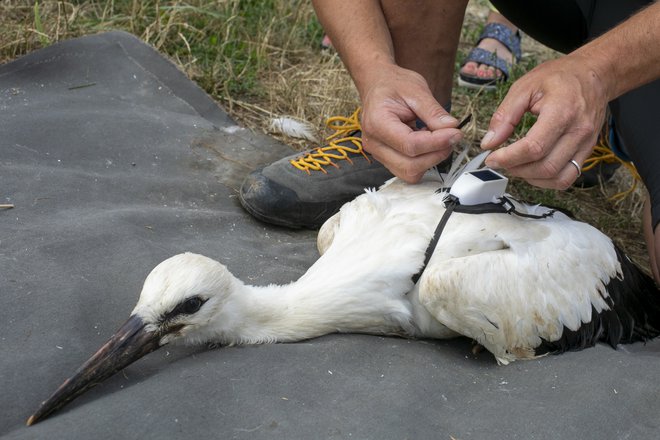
[[471, 85], [269, 220]]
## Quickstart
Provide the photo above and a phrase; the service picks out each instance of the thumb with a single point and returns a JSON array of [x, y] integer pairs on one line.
[[433, 114], [505, 118]]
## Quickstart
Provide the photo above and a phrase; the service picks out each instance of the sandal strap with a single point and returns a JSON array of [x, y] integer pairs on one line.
[[483, 56], [504, 35]]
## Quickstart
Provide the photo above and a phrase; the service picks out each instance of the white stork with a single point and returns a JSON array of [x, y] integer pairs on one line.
[[520, 287]]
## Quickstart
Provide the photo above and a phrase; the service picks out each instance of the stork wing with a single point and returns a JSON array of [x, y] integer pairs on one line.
[[327, 233], [512, 283]]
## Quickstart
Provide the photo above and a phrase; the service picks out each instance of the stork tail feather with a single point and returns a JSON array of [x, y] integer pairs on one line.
[[634, 314], [637, 302]]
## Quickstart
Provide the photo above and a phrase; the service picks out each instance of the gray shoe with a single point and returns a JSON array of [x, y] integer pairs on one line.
[[303, 190]]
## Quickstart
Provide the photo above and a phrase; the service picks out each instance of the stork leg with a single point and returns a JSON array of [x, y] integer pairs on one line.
[[477, 348]]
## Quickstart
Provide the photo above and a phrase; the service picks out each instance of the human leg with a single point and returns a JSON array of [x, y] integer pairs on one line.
[[558, 24], [652, 239], [636, 114], [425, 39]]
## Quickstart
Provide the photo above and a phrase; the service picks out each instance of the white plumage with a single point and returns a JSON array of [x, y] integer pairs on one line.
[[506, 281], [294, 128], [520, 287]]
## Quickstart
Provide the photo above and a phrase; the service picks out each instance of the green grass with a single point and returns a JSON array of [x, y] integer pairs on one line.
[[259, 58], [224, 46]]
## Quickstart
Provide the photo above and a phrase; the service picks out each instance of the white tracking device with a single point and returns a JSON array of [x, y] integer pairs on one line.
[[479, 186]]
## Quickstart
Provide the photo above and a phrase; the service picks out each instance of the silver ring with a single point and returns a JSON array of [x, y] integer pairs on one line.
[[577, 167]]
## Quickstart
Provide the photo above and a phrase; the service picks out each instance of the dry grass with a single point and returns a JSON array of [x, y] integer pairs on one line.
[[261, 58]]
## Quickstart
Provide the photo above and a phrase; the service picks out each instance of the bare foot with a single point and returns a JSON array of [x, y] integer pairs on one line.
[[326, 43]]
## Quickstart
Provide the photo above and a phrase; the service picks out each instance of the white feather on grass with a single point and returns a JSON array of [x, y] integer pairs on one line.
[[293, 128]]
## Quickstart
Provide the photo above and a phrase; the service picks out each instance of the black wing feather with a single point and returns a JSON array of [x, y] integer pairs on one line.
[[634, 314]]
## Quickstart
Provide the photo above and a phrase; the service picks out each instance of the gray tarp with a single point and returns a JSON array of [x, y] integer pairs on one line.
[[115, 161]]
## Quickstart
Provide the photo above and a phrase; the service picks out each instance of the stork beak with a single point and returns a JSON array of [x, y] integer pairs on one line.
[[127, 345]]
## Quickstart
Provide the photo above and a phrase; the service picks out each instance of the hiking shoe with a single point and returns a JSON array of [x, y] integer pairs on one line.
[[305, 189]]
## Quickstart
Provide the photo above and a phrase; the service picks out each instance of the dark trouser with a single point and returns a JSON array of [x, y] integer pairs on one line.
[[565, 25]]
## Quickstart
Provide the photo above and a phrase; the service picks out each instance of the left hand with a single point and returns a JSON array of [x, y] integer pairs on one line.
[[569, 100]]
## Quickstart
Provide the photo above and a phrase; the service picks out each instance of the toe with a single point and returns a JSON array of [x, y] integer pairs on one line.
[[486, 72], [470, 68]]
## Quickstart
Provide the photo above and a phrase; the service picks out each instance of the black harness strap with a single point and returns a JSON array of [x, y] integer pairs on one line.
[[504, 206], [450, 205]]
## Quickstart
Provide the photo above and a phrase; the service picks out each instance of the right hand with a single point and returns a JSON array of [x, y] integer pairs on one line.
[[391, 104]]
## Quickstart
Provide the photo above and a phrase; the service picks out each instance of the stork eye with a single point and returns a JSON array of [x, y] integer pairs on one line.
[[190, 306]]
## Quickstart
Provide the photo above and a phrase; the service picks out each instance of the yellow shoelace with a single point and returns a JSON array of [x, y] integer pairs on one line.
[[323, 156], [602, 153]]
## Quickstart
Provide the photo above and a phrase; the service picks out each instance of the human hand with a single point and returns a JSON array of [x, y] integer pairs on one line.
[[390, 108], [569, 100]]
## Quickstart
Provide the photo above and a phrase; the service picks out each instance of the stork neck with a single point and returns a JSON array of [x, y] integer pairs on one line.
[[305, 309]]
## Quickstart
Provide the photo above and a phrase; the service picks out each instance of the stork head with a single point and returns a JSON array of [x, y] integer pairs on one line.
[[182, 295], [179, 299]]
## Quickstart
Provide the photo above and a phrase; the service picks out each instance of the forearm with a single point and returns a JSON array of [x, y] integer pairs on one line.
[[628, 56], [360, 35]]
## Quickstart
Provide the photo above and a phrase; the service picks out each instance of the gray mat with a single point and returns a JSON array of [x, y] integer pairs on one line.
[[115, 161]]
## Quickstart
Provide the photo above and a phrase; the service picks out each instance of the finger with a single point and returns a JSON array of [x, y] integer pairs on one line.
[[561, 154], [508, 114], [566, 177], [432, 113], [536, 145], [406, 168], [413, 143]]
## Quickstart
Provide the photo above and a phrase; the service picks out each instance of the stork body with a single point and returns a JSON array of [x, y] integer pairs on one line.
[[520, 287]]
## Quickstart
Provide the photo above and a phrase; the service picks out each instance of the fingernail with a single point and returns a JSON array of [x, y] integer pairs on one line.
[[490, 134], [449, 120], [456, 139], [490, 163]]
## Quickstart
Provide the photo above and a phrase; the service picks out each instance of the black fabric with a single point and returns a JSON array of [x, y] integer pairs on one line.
[[109, 179], [558, 24], [565, 25], [637, 114]]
